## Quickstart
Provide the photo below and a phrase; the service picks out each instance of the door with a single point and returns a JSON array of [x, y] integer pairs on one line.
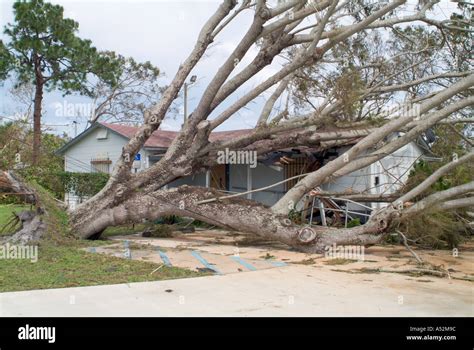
[[218, 177]]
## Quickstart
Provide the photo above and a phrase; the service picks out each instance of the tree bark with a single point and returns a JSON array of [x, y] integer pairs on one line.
[[39, 84], [33, 227], [234, 214], [130, 198]]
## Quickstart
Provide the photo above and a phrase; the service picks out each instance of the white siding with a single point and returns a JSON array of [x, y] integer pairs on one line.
[[392, 172], [77, 158]]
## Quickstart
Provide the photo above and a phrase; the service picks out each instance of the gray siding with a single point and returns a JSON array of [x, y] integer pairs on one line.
[[262, 176]]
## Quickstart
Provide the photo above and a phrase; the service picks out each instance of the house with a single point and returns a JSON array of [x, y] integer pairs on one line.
[[98, 148]]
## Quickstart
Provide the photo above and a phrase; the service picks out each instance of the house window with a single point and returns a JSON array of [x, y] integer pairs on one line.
[[101, 165], [293, 167], [377, 181], [102, 134]]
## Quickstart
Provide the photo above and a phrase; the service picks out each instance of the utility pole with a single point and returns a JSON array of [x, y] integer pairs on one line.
[[75, 128], [192, 80], [185, 102]]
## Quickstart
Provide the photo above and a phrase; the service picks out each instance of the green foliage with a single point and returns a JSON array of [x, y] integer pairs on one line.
[[420, 172], [43, 45], [54, 216], [436, 230], [60, 182], [294, 216], [46, 179], [201, 224], [6, 61], [160, 231], [42, 49], [6, 199], [169, 219], [347, 89], [354, 222], [16, 152], [12, 141], [15, 140], [83, 184], [122, 230], [447, 145], [440, 229], [6, 214]]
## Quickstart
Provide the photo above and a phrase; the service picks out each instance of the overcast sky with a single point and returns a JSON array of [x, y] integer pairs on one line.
[[161, 31]]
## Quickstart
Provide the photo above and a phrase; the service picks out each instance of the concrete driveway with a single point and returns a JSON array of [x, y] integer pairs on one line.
[[293, 290]]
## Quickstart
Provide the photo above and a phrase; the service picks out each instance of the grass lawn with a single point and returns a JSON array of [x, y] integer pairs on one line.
[[123, 230], [61, 266], [6, 214], [62, 262]]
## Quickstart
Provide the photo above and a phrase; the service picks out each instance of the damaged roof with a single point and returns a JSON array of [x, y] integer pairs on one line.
[[160, 139]]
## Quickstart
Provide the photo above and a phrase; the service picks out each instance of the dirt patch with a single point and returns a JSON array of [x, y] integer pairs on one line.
[[339, 261]]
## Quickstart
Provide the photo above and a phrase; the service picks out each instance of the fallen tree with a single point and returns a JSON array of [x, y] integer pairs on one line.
[[311, 35], [32, 226]]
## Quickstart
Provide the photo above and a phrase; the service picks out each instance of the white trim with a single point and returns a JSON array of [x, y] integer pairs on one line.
[[249, 181], [208, 178]]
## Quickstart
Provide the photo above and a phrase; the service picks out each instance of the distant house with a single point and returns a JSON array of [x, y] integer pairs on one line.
[[98, 148]]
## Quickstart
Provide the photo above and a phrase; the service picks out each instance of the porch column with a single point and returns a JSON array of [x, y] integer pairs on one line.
[[249, 181], [208, 178]]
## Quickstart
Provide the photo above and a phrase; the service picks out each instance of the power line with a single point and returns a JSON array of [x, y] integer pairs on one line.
[[31, 123], [78, 163]]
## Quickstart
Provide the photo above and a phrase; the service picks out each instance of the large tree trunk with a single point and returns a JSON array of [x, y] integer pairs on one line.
[[130, 198], [235, 214], [119, 205], [37, 119]]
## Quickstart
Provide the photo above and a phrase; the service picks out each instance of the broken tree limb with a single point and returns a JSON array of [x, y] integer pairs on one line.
[[461, 135], [458, 121], [11, 184], [435, 176], [360, 197], [457, 203], [32, 226], [405, 243], [437, 199]]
